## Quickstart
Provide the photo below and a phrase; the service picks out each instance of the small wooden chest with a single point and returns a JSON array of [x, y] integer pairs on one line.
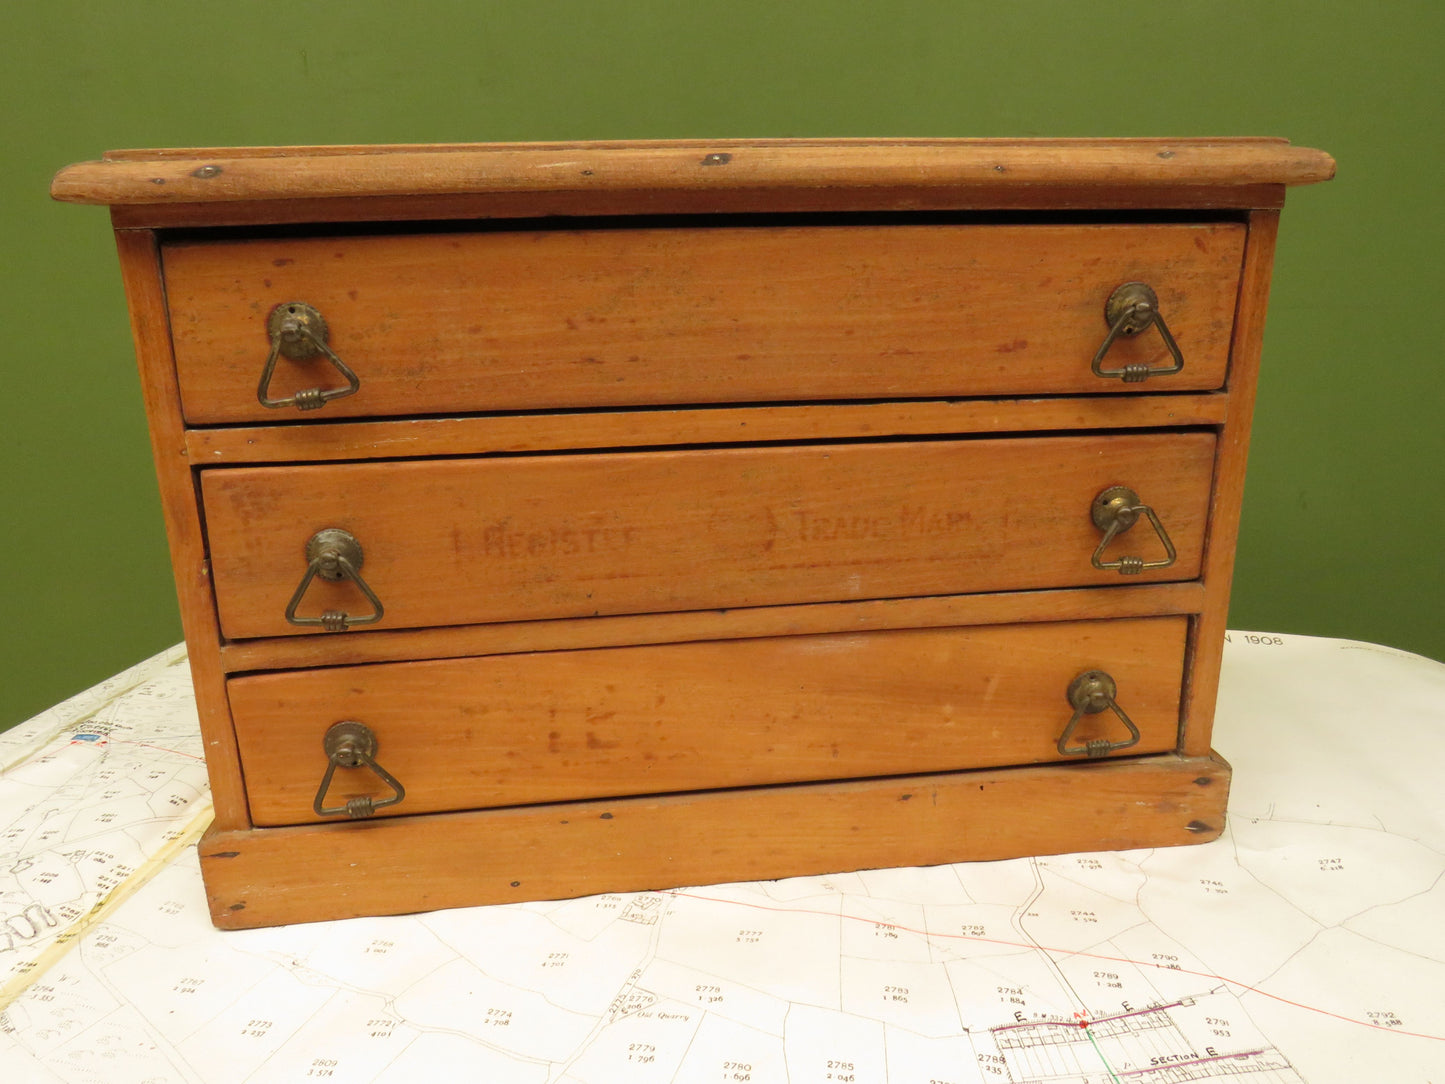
[[553, 519]]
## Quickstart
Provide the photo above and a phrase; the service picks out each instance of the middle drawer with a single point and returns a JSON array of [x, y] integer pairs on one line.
[[449, 542]]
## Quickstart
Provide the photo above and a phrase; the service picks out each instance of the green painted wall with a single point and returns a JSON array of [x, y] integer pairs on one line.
[[1344, 510]]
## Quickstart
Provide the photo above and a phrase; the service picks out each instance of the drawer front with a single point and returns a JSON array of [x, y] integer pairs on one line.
[[449, 542], [533, 319], [515, 729]]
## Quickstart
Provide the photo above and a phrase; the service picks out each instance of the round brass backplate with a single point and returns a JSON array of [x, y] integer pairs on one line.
[[349, 743], [332, 542], [1092, 692], [1134, 302], [297, 328], [1115, 503]]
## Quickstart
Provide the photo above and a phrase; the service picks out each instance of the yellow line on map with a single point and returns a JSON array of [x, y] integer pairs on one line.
[[142, 876]]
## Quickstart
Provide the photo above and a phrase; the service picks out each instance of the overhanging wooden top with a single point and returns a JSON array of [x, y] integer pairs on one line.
[[682, 176]]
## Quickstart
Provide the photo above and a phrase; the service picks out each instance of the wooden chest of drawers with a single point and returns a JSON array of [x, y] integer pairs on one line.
[[554, 519]]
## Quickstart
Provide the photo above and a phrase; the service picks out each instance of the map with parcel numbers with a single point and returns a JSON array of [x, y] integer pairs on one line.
[[1304, 946]]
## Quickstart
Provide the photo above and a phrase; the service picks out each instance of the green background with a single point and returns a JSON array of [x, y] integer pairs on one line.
[[1343, 511]]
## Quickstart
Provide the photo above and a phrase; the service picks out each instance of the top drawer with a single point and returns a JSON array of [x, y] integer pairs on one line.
[[509, 319]]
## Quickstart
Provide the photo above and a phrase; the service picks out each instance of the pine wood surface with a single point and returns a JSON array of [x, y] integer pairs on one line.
[[265, 214], [1226, 505], [508, 637], [145, 295], [302, 874], [595, 430], [555, 726], [451, 542], [521, 320], [225, 174], [710, 546]]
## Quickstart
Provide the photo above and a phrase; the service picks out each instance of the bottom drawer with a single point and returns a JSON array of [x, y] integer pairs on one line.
[[506, 730]]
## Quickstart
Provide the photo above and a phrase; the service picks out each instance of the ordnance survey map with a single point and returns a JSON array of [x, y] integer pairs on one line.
[[1307, 945]]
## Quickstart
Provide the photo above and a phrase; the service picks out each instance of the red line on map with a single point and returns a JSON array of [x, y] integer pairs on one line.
[[160, 748], [1196, 1061], [1064, 952]]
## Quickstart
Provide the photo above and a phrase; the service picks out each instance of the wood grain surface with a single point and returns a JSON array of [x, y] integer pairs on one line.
[[566, 634], [481, 434], [546, 319], [746, 539], [270, 876], [145, 294], [656, 168], [554, 726], [1088, 199], [1231, 452], [451, 542]]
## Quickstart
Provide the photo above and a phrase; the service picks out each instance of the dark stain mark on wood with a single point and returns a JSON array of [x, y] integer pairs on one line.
[[158, 180], [224, 854], [516, 884], [1165, 154], [904, 797], [718, 158], [607, 816], [1203, 781], [239, 906], [205, 173], [282, 261]]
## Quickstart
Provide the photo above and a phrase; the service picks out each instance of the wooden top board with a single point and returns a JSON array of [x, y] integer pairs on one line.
[[679, 176]]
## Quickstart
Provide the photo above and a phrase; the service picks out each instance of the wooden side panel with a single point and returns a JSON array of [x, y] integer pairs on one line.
[[465, 541], [304, 874], [1225, 506], [521, 320], [556, 726], [145, 293]]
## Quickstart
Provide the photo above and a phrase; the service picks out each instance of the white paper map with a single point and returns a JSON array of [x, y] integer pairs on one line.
[[1306, 945]]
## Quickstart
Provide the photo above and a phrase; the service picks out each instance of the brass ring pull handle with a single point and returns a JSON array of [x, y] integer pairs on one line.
[[298, 333], [1114, 511], [352, 745], [1131, 309], [1091, 692], [334, 554]]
